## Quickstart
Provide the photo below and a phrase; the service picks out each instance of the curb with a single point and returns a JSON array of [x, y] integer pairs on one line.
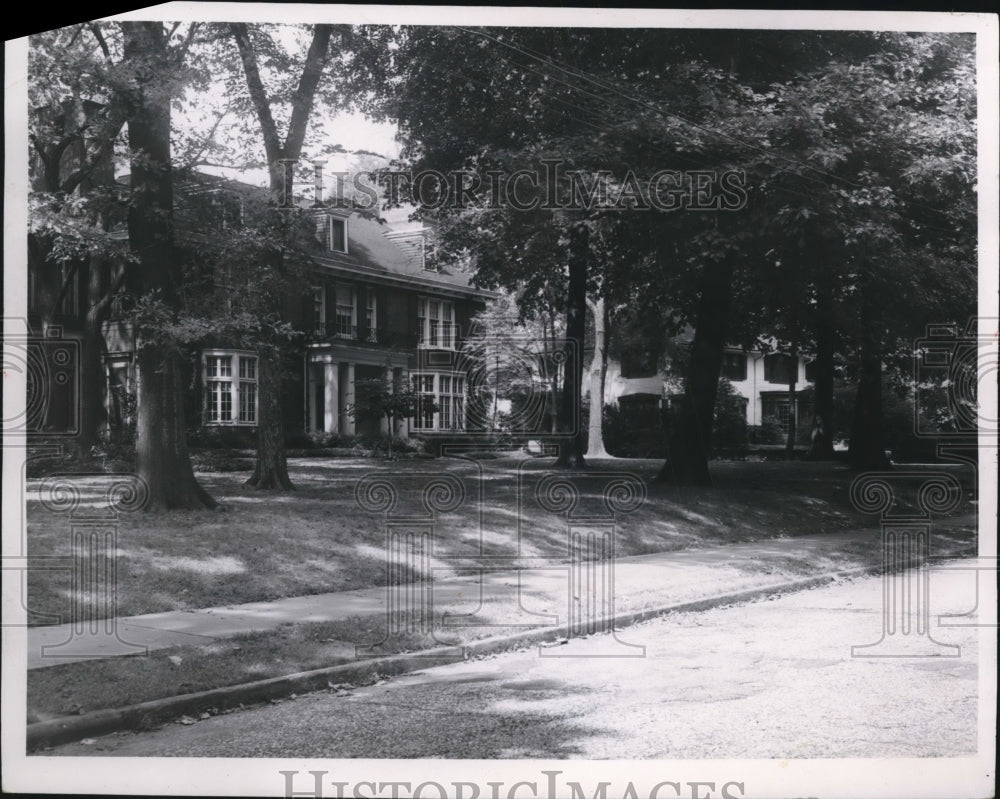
[[145, 715]]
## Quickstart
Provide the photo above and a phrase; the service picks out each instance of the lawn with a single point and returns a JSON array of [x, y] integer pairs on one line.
[[319, 539], [263, 546]]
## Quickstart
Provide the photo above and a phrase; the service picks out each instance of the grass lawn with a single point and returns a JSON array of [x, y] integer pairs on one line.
[[317, 539]]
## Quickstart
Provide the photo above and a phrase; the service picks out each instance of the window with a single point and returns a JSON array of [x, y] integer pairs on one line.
[[447, 392], [230, 388], [779, 368], [811, 372], [371, 314], [436, 323], [337, 239], [346, 321], [423, 417], [319, 309], [777, 408], [734, 366], [451, 402]]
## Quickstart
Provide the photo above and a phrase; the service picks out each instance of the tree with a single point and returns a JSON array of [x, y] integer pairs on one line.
[[73, 125], [361, 53], [271, 468], [162, 459], [500, 353], [598, 374], [382, 399]]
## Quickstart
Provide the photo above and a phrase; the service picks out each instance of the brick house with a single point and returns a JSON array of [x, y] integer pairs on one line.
[[374, 306]]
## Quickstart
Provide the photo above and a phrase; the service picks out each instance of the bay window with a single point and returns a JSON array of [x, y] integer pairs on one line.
[[446, 392]]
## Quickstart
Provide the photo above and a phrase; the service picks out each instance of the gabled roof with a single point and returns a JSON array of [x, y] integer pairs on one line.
[[370, 250]]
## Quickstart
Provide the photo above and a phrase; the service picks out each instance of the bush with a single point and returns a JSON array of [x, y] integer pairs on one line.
[[729, 431], [638, 431], [770, 431], [208, 437], [434, 444]]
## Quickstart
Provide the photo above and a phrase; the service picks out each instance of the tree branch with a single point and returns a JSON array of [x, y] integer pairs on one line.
[[96, 30], [241, 36], [302, 99]]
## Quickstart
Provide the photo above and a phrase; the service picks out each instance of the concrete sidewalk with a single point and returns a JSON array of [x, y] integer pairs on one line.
[[537, 595]]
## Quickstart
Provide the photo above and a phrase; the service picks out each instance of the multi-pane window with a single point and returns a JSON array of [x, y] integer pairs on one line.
[[734, 366], [319, 309], [248, 390], [451, 402], [777, 408], [338, 235], [423, 418], [447, 392], [436, 323], [230, 388], [346, 319], [447, 325], [780, 368], [371, 314]]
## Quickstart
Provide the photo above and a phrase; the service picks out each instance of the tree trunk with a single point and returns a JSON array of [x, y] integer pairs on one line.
[[867, 449], [553, 406], [598, 376], [691, 431], [92, 378], [821, 447], [793, 411], [271, 469], [571, 450], [162, 459], [161, 451]]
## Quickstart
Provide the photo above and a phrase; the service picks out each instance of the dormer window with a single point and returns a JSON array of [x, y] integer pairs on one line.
[[337, 235]]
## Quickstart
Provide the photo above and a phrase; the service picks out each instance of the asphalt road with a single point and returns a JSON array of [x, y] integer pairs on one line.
[[770, 679]]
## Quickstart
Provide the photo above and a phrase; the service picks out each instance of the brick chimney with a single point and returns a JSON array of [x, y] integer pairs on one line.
[[318, 182]]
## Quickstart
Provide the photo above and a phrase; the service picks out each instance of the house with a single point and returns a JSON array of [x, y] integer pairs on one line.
[[374, 306], [379, 307], [760, 379]]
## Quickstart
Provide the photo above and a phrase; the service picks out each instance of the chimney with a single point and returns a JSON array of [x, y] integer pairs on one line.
[[318, 183]]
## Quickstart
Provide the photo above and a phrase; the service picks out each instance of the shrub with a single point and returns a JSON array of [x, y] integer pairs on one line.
[[635, 432], [208, 437]]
